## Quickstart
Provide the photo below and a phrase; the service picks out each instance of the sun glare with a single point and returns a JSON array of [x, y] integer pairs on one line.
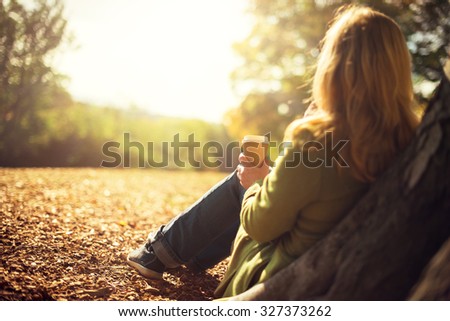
[[170, 57]]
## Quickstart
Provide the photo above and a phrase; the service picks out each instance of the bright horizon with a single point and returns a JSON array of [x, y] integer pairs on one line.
[[170, 57]]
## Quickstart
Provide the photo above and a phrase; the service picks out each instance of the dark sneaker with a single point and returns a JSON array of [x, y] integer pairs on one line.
[[146, 262]]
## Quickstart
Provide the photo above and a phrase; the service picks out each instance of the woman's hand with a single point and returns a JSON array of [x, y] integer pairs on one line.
[[248, 175]]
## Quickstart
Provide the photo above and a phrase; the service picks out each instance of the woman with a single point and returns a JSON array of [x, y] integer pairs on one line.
[[362, 91]]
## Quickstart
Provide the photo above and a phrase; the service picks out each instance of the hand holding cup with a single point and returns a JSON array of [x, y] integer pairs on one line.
[[252, 160]]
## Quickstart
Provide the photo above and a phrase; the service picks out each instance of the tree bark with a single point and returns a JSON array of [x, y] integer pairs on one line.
[[435, 283], [380, 249]]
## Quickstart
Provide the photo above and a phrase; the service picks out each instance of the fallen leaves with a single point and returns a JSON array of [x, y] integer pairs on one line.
[[65, 233]]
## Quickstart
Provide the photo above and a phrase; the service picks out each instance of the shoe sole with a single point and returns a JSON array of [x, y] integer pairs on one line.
[[149, 274]]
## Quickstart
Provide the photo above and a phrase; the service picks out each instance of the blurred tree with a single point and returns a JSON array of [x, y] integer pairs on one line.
[[29, 34], [279, 54], [427, 24]]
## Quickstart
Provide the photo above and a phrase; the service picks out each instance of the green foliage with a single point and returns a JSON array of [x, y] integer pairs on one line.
[[74, 135], [428, 26], [280, 52]]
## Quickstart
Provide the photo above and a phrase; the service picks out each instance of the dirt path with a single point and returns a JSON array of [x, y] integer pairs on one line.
[[65, 233]]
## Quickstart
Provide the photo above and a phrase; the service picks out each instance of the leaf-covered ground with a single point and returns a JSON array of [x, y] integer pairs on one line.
[[65, 233]]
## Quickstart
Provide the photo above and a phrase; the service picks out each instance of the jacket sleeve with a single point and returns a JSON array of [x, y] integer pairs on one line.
[[270, 210]]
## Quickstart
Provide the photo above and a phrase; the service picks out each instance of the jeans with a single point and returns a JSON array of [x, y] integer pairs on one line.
[[202, 235]]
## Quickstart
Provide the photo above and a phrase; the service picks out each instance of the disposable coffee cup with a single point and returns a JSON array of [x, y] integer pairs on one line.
[[255, 147]]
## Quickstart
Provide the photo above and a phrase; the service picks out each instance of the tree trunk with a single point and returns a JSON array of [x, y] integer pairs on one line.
[[435, 283], [380, 249]]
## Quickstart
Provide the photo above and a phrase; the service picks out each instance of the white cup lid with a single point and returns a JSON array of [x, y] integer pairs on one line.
[[255, 139]]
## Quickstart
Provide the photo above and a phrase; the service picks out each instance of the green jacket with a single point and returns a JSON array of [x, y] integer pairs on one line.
[[294, 207]]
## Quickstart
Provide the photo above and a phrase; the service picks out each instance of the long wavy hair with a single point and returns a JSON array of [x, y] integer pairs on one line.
[[363, 91]]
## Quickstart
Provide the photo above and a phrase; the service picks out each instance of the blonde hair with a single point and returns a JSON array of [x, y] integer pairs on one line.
[[363, 89]]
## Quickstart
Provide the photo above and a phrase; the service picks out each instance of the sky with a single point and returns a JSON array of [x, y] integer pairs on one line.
[[170, 57]]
